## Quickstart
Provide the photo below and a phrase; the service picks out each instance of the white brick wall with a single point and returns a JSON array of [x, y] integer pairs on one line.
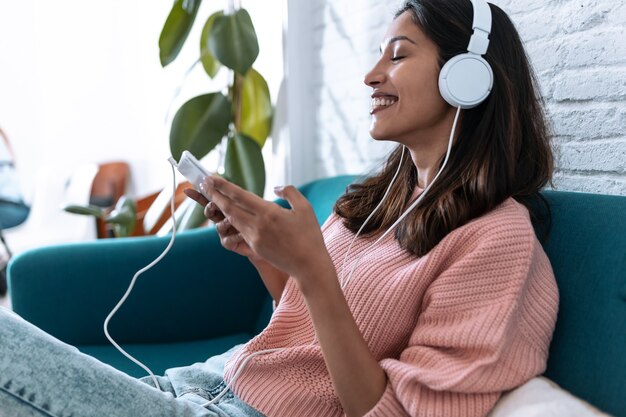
[[578, 49]]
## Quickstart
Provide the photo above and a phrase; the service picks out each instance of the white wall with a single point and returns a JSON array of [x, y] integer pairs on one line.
[[81, 81], [576, 46]]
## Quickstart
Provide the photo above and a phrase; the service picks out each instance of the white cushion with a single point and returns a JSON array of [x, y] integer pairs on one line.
[[541, 397]]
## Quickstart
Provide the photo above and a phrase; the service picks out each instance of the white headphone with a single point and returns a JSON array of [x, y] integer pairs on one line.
[[466, 79]]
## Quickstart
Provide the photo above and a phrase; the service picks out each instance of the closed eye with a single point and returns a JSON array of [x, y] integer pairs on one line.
[[397, 58]]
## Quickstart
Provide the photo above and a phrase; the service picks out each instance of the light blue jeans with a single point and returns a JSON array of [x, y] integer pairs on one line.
[[42, 376]]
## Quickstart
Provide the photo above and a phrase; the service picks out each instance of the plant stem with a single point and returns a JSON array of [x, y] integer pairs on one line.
[[237, 84]]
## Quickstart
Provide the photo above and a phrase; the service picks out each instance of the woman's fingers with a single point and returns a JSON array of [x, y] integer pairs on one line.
[[230, 237], [224, 228], [243, 199], [196, 196], [213, 213], [241, 218], [231, 242], [294, 197], [210, 209]]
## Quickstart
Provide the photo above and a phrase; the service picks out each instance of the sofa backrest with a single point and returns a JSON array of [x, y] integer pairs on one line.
[[587, 249]]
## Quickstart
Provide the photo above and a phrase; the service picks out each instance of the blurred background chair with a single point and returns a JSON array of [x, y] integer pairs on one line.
[[47, 223], [13, 211]]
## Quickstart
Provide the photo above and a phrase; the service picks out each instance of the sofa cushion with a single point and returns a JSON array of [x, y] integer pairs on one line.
[[541, 397]]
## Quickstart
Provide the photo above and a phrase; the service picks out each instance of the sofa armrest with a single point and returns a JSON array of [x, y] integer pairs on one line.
[[198, 291]]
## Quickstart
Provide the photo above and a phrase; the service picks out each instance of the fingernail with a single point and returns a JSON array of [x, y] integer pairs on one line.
[[279, 189]]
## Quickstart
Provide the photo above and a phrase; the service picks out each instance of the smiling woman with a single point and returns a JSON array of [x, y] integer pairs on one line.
[[421, 307], [438, 318]]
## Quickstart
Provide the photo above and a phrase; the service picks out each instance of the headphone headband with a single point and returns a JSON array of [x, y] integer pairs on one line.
[[481, 28]]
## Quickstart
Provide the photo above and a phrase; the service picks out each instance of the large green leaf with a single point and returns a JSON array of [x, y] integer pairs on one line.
[[176, 29], [244, 164], [200, 124], [233, 41], [210, 64], [85, 210], [123, 217], [256, 107]]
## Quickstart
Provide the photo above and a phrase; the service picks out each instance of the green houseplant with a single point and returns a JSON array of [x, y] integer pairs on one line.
[[240, 119]]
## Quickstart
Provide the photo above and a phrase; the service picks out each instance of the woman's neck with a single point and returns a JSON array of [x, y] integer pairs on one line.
[[417, 190]]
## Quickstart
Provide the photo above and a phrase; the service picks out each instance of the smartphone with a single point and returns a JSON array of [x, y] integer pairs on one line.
[[191, 169]]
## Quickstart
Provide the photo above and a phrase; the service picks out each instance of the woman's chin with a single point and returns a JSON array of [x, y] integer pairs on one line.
[[380, 136]]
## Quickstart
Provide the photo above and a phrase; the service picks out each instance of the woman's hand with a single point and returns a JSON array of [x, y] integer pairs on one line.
[[230, 238], [289, 239]]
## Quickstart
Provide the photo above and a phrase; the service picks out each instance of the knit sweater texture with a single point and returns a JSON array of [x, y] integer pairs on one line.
[[452, 330]]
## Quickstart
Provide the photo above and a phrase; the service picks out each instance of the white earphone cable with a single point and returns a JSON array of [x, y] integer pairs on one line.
[[415, 203], [130, 288], [372, 213]]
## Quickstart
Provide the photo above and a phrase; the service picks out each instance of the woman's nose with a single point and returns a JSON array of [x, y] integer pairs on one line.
[[374, 78]]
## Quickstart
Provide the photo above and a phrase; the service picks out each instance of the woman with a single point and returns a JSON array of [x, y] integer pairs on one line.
[[437, 315]]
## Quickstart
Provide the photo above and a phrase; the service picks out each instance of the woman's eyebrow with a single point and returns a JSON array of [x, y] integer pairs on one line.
[[395, 39]]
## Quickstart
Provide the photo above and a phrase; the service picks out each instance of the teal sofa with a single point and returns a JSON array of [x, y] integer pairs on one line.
[[201, 299]]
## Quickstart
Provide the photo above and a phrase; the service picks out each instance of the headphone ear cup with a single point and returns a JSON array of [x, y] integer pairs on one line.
[[465, 80]]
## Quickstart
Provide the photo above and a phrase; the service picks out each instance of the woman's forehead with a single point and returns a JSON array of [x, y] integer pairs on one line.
[[402, 28]]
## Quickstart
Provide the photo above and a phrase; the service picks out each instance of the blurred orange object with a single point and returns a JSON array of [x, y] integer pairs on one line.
[[108, 186]]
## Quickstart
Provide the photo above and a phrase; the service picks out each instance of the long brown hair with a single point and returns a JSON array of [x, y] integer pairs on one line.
[[502, 150]]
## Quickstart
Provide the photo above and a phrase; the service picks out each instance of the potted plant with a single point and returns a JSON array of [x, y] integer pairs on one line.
[[238, 119]]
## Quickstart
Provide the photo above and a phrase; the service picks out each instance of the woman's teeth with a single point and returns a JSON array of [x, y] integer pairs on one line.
[[379, 102]]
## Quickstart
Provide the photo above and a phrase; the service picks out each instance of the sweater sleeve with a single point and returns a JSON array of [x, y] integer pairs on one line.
[[482, 330]]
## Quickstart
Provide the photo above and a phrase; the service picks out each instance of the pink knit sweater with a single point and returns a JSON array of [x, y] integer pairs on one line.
[[453, 329]]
